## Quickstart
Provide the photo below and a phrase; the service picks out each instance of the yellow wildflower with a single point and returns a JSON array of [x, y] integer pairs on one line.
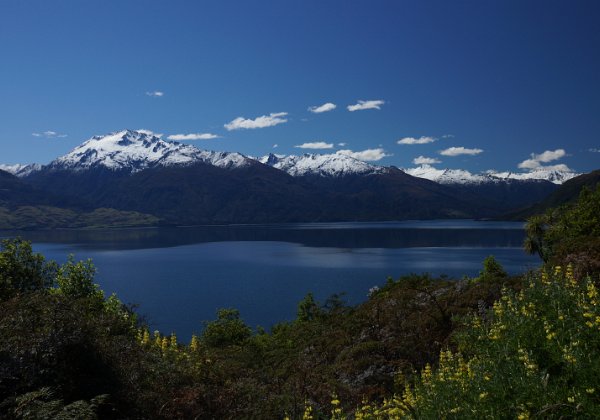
[[194, 344]]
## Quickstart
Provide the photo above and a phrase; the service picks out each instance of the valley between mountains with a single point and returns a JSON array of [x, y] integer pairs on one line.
[[134, 178]]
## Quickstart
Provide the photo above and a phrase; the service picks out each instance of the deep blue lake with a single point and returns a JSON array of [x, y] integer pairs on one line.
[[179, 277]]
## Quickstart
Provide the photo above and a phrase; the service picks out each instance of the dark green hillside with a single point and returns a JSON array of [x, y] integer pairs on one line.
[[564, 194], [23, 206], [205, 194]]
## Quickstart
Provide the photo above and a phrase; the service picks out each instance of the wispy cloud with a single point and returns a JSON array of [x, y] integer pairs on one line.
[[49, 134], [422, 160], [536, 160], [342, 144], [275, 146], [322, 108], [155, 93], [192, 136], [448, 136], [457, 151], [370, 155], [420, 140], [362, 105], [594, 150], [260, 122], [315, 145]]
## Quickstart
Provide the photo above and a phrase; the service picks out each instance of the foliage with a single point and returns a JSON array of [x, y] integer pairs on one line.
[[76, 279], [227, 330], [532, 355], [492, 270], [569, 234], [21, 270]]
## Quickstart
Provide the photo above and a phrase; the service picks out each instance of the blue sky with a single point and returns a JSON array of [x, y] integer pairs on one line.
[[500, 80]]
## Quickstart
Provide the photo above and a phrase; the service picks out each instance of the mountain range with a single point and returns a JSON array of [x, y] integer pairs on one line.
[[172, 183]]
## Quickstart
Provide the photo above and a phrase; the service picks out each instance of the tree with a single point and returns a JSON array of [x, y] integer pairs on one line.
[[308, 309], [227, 330], [492, 270], [76, 279], [22, 270]]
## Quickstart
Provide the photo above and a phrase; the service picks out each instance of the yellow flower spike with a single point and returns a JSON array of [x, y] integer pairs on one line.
[[592, 292], [426, 374], [173, 341], [590, 390], [483, 395], [164, 344], [146, 337], [307, 412], [194, 344], [524, 415], [545, 278], [571, 399], [557, 270]]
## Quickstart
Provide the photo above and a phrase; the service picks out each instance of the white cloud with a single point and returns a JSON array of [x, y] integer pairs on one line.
[[193, 136], [260, 122], [370, 155], [322, 108], [448, 136], [156, 93], [342, 144], [149, 132], [457, 151], [362, 105], [594, 150], [315, 145], [536, 160], [420, 140], [275, 146], [422, 160], [49, 134]]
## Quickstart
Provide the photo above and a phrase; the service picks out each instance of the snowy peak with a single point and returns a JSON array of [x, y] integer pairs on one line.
[[459, 176], [448, 176], [321, 165], [21, 170], [134, 151], [552, 175]]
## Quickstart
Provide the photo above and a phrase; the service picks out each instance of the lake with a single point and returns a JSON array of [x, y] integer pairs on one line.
[[179, 277]]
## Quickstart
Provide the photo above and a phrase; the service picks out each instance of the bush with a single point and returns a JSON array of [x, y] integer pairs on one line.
[[533, 355]]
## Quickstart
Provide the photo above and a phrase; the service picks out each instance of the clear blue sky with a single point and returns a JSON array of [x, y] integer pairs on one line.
[[508, 77]]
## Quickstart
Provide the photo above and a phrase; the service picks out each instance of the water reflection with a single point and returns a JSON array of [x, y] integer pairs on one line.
[[455, 233]]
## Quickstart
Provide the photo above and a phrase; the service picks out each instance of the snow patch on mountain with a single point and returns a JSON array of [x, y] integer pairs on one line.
[[138, 150], [552, 175], [460, 176], [21, 170], [333, 165]]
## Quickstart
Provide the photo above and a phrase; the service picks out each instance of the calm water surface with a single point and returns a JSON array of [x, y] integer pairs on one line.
[[180, 276]]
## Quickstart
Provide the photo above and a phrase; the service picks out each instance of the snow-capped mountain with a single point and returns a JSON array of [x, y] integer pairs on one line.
[[21, 170], [322, 165], [552, 175], [459, 176], [449, 176], [135, 151]]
